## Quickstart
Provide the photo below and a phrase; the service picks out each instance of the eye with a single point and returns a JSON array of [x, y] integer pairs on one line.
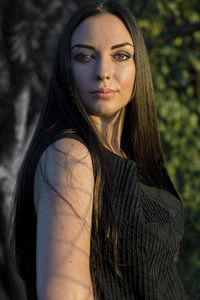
[[83, 58], [122, 56]]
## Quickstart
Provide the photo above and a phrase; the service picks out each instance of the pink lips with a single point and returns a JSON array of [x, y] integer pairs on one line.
[[104, 93]]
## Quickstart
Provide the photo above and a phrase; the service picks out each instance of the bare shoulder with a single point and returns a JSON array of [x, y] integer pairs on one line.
[[67, 148], [63, 195], [65, 163], [73, 147]]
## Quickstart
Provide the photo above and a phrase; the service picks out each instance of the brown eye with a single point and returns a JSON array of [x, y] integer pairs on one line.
[[122, 56], [83, 58]]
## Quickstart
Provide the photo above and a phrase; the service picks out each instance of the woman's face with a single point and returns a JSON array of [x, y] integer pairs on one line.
[[102, 63]]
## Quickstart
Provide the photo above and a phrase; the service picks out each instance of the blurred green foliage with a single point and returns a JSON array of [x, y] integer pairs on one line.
[[172, 33]]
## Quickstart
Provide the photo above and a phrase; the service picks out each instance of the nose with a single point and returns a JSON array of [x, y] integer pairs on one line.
[[103, 69]]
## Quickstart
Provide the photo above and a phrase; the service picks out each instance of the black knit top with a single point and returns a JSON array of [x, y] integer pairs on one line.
[[150, 224]]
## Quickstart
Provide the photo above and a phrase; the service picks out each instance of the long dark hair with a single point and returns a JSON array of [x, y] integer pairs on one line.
[[63, 112]]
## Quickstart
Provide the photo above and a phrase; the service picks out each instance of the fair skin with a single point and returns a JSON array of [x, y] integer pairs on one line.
[[63, 239], [108, 64]]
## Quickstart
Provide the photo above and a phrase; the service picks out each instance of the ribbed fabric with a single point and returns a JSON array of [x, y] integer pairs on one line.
[[150, 224]]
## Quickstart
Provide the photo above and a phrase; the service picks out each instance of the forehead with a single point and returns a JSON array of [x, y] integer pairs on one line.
[[104, 28]]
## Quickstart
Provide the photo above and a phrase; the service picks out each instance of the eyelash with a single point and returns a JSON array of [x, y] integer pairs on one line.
[[78, 56]]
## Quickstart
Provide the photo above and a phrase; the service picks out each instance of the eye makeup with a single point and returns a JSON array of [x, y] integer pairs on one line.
[[84, 58]]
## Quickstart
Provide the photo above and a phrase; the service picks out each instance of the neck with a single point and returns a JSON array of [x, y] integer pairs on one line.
[[109, 130]]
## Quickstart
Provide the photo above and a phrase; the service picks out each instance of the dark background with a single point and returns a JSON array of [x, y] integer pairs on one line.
[[28, 38]]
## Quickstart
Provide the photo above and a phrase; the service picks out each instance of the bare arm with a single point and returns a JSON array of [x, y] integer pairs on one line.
[[63, 239]]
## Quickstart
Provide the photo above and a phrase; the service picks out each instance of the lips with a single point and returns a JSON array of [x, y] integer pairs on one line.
[[104, 93], [104, 90]]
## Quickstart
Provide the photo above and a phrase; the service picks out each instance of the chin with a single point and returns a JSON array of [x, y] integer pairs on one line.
[[103, 113], [103, 110]]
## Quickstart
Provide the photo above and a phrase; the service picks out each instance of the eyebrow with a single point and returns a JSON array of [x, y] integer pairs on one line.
[[93, 48]]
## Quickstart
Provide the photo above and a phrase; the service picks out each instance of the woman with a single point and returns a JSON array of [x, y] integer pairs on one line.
[[96, 215]]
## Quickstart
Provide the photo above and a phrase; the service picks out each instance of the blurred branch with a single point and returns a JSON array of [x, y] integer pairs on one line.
[[183, 30]]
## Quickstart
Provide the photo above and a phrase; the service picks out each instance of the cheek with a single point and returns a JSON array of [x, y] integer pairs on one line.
[[81, 76], [127, 78], [77, 77]]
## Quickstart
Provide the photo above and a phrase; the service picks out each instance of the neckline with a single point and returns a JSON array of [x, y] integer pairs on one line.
[[120, 157], [115, 154]]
